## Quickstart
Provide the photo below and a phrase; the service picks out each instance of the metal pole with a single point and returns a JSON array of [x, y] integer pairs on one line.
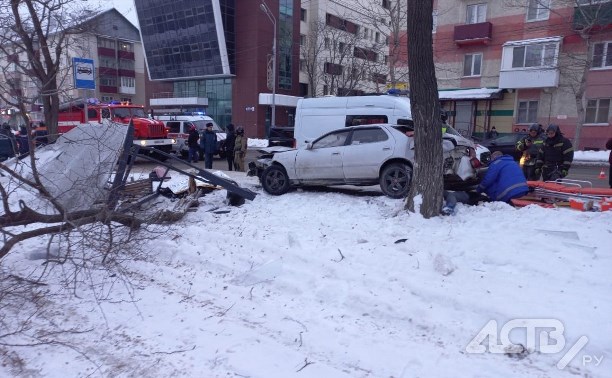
[[273, 122]]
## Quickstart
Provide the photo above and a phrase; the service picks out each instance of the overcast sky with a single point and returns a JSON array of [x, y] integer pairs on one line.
[[126, 7]]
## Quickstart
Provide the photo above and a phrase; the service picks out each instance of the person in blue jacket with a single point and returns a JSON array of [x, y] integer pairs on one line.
[[208, 144], [504, 179]]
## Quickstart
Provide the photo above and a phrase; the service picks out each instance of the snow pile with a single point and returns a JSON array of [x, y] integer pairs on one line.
[[329, 284]]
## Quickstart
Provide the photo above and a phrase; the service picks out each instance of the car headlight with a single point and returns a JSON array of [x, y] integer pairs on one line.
[[143, 143]]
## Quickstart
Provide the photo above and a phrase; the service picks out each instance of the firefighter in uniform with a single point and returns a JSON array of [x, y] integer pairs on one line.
[[555, 156], [529, 146]]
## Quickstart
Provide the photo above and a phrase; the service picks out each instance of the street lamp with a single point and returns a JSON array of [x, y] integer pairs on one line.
[[268, 13]]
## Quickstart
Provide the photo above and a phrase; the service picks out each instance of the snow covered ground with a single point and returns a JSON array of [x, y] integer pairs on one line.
[[330, 284]]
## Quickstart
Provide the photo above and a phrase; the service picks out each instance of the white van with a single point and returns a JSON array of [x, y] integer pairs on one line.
[[317, 116], [179, 129]]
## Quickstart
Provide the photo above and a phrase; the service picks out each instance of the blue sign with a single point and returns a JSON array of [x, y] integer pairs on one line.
[[84, 73]]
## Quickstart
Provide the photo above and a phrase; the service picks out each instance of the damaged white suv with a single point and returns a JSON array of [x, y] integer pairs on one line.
[[361, 155]]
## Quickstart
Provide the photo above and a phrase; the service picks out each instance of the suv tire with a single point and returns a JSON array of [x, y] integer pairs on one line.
[[275, 181], [395, 180]]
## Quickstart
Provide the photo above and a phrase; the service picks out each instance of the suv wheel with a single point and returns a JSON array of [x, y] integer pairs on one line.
[[395, 180], [274, 180]]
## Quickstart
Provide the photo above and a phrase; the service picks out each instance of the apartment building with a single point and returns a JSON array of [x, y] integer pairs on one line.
[[111, 41], [512, 63], [344, 47]]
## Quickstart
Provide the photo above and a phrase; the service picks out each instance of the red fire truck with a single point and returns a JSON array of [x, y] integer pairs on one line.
[[147, 132]]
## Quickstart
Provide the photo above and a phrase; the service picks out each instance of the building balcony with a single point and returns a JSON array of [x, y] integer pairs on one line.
[[127, 73], [105, 51], [127, 55], [596, 17], [107, 71], [541, 77], [127, 90], [470, 34]]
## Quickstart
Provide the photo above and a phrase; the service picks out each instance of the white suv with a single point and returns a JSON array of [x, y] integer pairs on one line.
[[362, 155]]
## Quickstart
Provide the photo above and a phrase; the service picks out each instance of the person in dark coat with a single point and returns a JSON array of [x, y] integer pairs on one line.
[[208, 144], [192, 144], [41, 135], [530, 145], [230, 140], [504, 179], [555, 156], [7, 131], [22, 140], [609, 147]]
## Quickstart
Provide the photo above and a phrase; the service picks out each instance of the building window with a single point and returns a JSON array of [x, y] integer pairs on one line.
[[602, 55], [598, 111], [106, 98], [125, 64], [386, 4], [476, 13], [341, 47], [109, 81], [435, 21], [303, 14], [325, 90], [105, 42], [379, 78], [538, 10], [303, 65], [472, 65], [126, 46], [128, 82], [302, 40], [108, 62], [527, 112], [327, 43], [333, 69], [536, 55]]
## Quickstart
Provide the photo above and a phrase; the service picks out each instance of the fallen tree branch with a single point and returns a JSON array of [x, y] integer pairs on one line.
[[306, 363]]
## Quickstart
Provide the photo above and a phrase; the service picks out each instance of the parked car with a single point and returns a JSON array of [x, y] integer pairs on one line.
[[281, 136], [7, 148], [506, 144], [361, 155]]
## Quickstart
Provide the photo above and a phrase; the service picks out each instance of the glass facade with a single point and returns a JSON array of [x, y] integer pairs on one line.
[[184, 38], [218, 92], [285, 42]]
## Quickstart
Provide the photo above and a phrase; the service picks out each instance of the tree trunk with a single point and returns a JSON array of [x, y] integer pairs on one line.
[[426, 192]]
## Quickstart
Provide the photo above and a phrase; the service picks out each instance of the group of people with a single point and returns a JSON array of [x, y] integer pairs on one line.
[[547, 154], [235, 146], [20, 141]]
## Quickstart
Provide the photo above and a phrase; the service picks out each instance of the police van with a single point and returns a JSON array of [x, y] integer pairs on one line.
[[179, 124]]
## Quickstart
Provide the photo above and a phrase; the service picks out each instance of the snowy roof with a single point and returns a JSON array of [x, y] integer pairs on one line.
[[470, 94], [533, 41]]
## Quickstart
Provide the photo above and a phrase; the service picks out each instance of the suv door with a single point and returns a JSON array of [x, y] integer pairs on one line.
[[324, 160], [368, 148]]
